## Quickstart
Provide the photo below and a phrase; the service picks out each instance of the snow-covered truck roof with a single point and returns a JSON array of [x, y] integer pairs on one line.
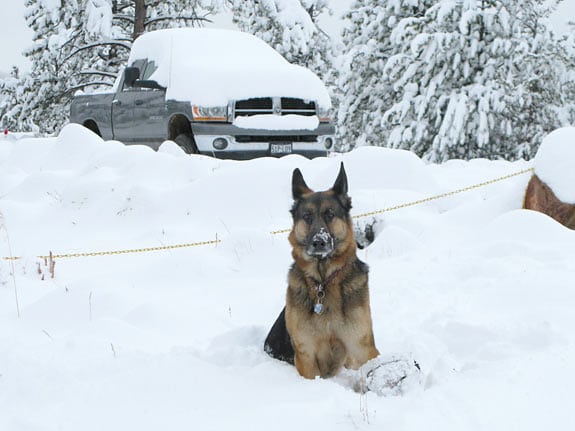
[[213, 66]]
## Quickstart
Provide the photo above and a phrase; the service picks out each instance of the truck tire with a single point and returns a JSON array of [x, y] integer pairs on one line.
[[91, 125], [186, 142]]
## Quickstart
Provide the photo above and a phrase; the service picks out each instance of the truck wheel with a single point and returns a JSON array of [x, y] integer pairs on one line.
[[186, 142], [91, 125]]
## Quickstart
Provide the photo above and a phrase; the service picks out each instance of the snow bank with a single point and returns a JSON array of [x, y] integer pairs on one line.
[[211, 67], [475, 289], [555, 163]]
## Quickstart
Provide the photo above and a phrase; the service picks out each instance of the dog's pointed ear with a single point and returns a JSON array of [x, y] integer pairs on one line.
[[340, 185], [298, 185]]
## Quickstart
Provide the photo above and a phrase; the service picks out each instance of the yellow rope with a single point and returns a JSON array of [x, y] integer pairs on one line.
[[431, 198], [445, 195], [118, 252], [275, 232]]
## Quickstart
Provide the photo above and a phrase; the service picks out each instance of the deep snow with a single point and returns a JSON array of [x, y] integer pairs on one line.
[[478, 291]]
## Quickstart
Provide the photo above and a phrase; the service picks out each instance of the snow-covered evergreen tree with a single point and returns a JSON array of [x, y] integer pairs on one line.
[[363, 94], [568, 51], [11, 102], [449, 75], [460, 79], [540, 92], [289, 26], [37, 95]]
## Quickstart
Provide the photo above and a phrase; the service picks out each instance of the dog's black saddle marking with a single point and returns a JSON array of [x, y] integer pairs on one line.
[[278, 342]]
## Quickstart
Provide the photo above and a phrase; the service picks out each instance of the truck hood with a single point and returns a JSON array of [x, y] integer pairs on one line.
[[210, 67]]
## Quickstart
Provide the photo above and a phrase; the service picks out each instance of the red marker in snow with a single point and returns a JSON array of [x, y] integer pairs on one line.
[[5, 132]]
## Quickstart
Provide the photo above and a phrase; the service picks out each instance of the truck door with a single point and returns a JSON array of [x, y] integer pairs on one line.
[[123, 109], [150, 114], [139, 114], [150, 117], [122, 117]]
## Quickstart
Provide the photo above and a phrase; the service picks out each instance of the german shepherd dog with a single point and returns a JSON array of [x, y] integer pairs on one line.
[[326, 323]]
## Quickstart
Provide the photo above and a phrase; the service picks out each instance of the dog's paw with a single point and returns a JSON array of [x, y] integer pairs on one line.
[[390, 375]]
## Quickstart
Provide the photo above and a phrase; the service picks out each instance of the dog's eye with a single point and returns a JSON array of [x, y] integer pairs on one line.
[[308, 217], [329, 214]]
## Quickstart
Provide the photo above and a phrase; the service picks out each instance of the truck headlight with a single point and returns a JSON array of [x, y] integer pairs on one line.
[[210, 113], [324, 114]]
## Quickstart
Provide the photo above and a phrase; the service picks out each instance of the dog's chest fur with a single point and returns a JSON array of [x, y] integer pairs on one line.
[[345, 313], [339, 335], [343, 294]]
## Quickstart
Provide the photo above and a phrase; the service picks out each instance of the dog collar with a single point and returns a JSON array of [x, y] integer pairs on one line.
[[320, 289]]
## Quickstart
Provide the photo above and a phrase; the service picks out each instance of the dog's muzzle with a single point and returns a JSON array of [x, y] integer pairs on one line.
[[321, 244]]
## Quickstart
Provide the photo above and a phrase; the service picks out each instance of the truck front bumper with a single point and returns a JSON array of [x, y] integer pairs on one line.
[[243, 144]]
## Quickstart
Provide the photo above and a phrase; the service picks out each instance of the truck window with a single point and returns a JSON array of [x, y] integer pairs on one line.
[[140, 64], [151, 67]]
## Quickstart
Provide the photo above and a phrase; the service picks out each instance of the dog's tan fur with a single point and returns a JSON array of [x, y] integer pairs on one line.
[[342, 334]]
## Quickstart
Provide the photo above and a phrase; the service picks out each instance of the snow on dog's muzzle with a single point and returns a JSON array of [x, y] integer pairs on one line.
[[320, 244]]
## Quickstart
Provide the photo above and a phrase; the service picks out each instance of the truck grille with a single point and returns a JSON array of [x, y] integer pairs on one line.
[[297, 106], [275, 105], [291, 138]]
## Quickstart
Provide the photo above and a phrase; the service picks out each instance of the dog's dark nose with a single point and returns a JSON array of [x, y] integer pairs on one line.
[[321, 244]]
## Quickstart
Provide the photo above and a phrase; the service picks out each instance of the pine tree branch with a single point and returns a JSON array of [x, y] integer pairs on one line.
[[129, 18], [180, 18], [153, 3], [72, 38], [121, 6], [117, 43], [97, 72], [75, 88]]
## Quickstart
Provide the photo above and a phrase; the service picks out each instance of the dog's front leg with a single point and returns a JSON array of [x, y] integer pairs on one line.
[[330, 357], [306, 363], [305, 355], [361, 350]]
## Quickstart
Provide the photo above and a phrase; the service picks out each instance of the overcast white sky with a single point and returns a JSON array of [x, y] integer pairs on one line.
[[15, 35]]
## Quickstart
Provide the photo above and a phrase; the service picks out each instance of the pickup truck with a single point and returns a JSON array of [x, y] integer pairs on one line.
[[221, 93]]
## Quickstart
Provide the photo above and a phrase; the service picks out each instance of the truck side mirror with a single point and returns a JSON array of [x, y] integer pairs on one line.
[[131, 74]]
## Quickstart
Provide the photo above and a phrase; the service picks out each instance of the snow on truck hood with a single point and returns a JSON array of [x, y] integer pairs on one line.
[[212, 66]]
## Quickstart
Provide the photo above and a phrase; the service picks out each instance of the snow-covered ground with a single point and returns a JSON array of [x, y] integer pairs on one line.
[[477, 290]]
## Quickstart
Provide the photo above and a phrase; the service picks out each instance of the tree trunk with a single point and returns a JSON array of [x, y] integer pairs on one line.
[[139, 18]]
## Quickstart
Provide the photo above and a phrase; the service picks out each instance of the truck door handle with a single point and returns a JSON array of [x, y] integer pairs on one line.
[[116, 102], [138, 102]]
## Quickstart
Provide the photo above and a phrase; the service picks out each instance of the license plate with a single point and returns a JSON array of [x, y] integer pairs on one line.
[[283, 148]]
